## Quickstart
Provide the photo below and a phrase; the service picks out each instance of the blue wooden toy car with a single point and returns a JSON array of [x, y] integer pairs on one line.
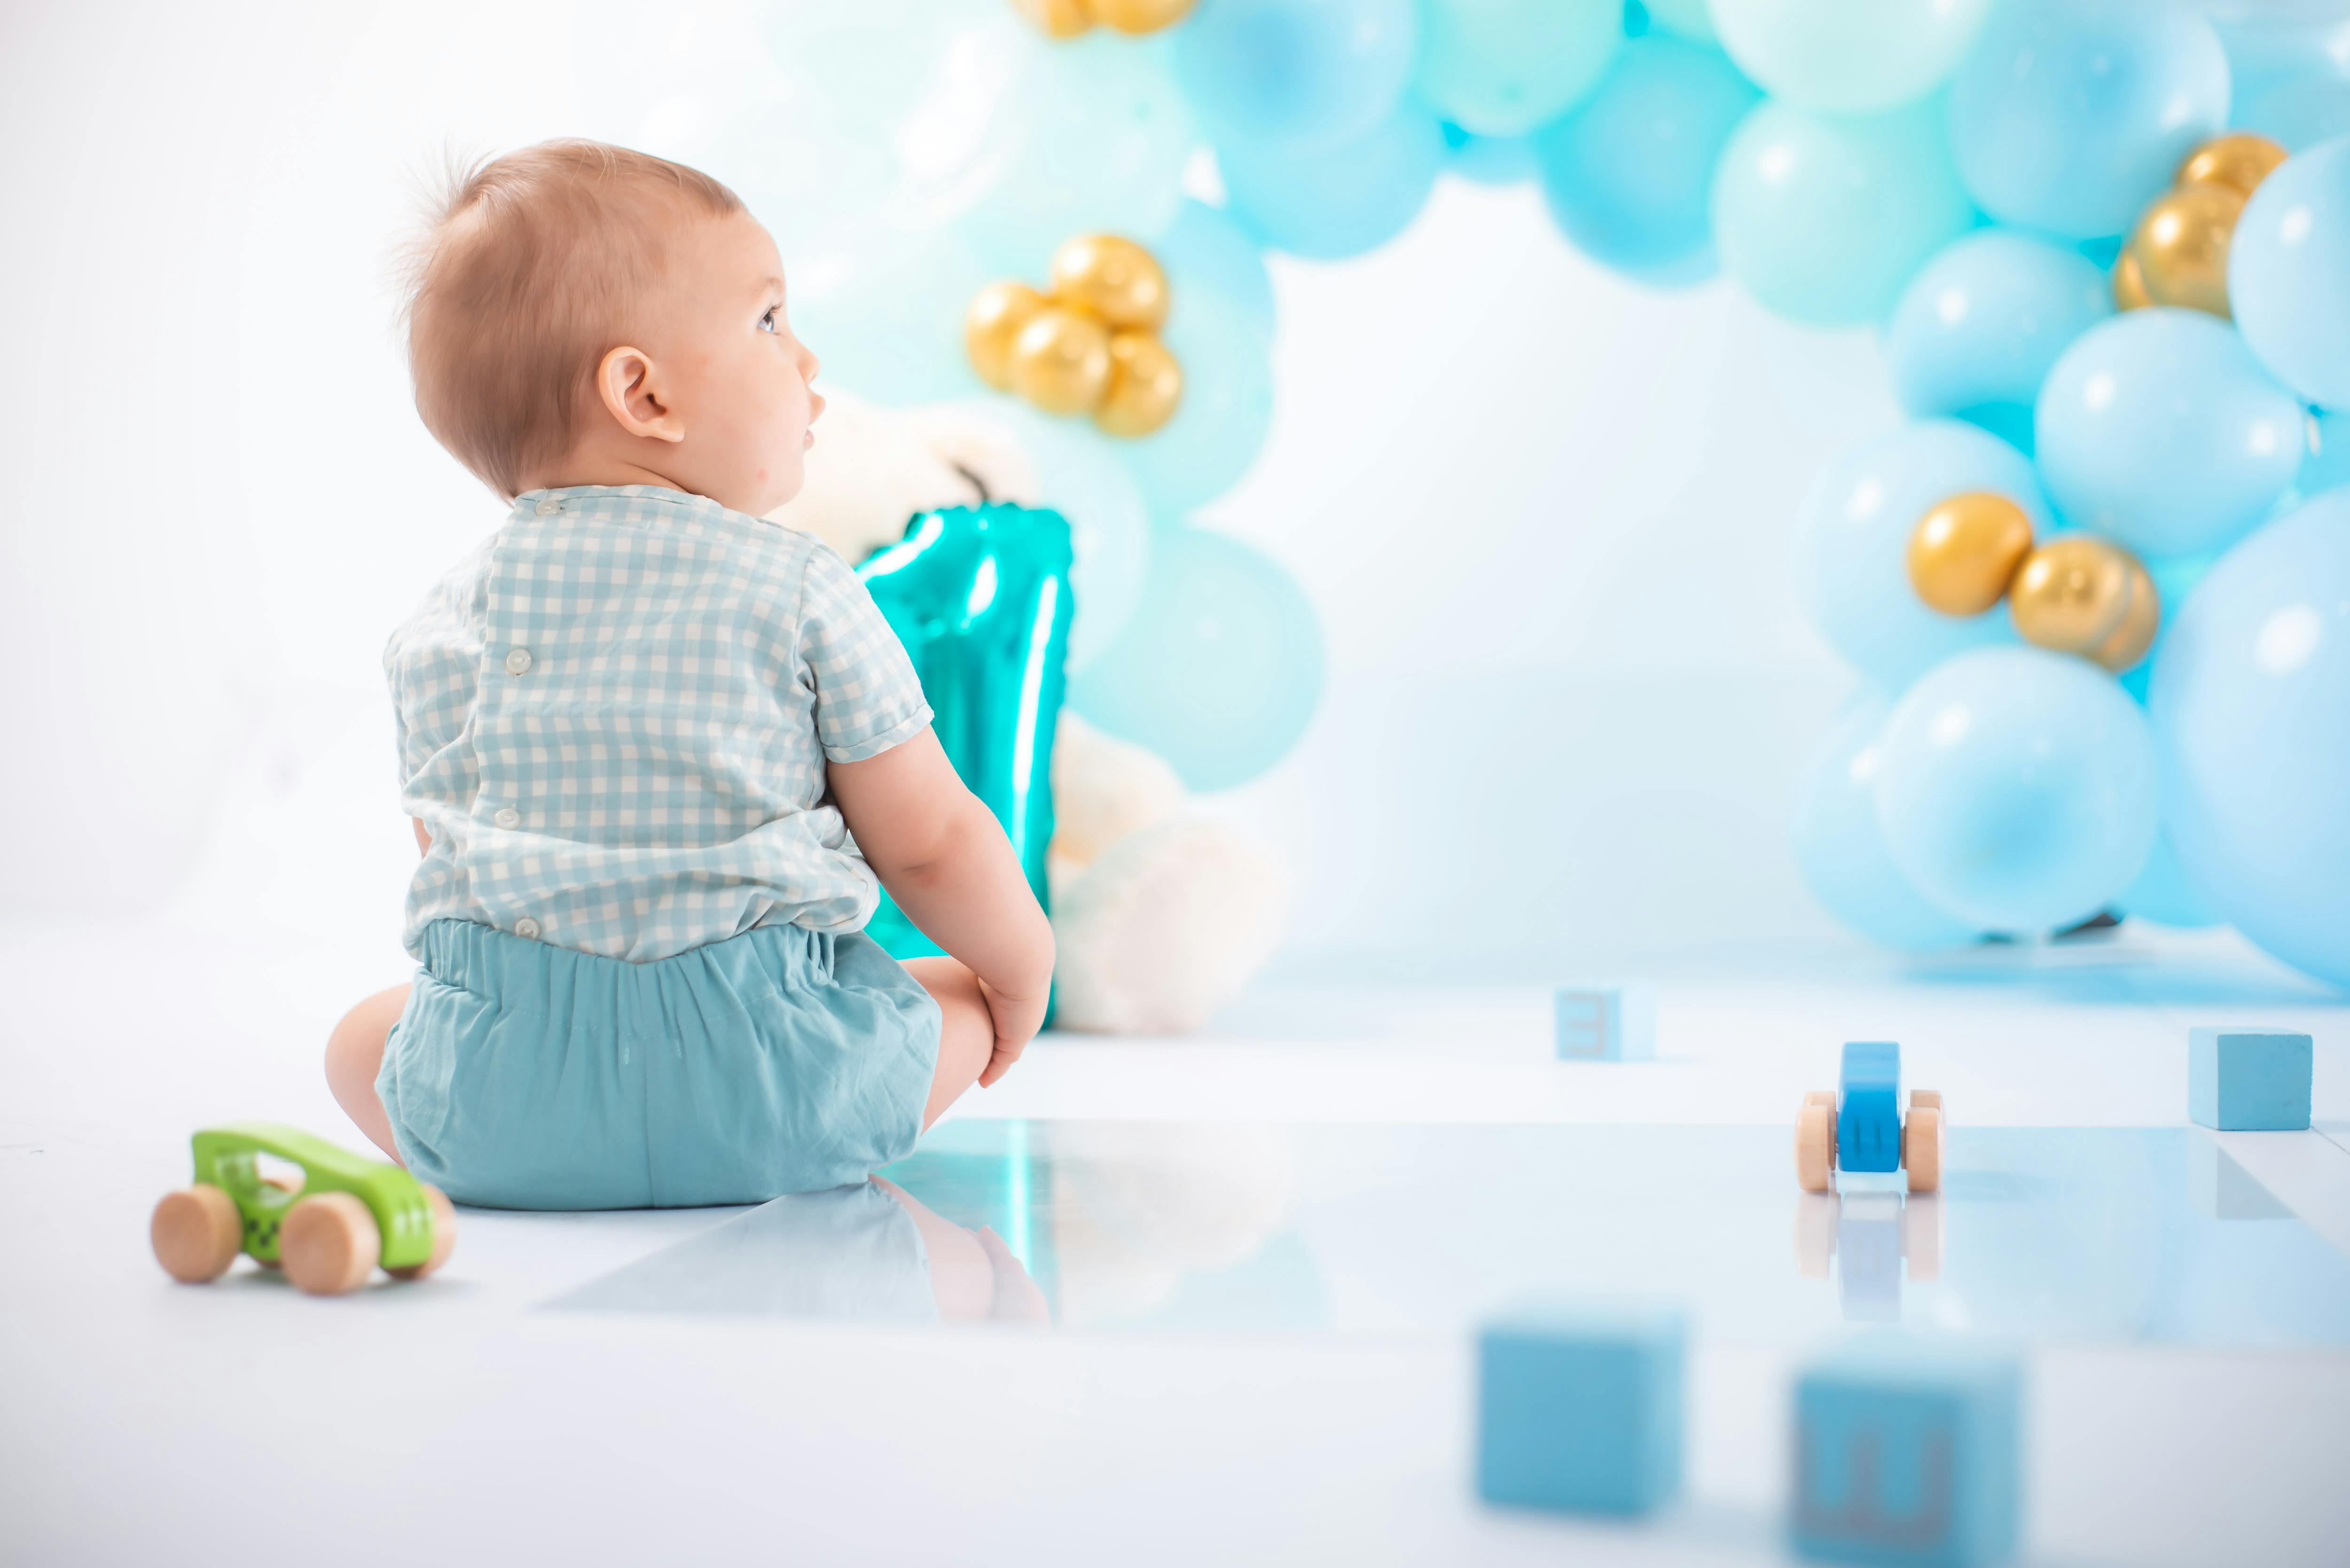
[[1861, 1129]]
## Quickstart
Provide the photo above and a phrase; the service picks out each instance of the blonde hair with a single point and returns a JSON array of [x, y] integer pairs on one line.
[[520, 282]]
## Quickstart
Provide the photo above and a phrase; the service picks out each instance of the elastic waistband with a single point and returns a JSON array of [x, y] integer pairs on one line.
[[519, 973]]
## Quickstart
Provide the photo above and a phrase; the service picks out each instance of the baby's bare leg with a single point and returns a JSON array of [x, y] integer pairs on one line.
[[966, 1033], [355, 1051]]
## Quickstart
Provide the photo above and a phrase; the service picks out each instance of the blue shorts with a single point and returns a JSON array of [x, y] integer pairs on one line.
[[523, 1075]]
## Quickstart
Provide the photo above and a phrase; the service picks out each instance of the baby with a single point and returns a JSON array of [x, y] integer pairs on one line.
[[659, 750]]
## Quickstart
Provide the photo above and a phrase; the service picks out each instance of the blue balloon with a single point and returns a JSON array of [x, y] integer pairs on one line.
[[1629, 174], [1221, 667], [1500, 68], [1227, 406], [1978, 327], [2250, 708], [2071, 115], [1337, 199], [1204, 251], [1852, 544], [1305, 72], [2289, 273], [1489, 159], [2159, 428], [2018, 788], [2328, 463], [1823, 218], [1840, 851], [2298, 113], [2162, 894], [1848, 56]]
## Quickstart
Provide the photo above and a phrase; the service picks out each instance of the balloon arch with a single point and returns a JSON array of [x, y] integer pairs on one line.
[[2098, 590]]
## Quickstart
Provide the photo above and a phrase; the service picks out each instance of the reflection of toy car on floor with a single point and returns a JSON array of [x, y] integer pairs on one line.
[[1860, 1128], [328, 1231]]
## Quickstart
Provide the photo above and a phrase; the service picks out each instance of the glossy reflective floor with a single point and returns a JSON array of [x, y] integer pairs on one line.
[[2151, 1235]]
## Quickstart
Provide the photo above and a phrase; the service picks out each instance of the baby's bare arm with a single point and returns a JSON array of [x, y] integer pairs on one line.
[[945, 860]]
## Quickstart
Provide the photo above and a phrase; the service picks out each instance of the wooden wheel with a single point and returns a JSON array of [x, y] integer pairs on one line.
[[1921, 1148], [1815, 1144], [444, 1235], [196, 1233], [328, 1243]]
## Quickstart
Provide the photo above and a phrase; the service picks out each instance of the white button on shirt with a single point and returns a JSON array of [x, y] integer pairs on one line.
[[659, 778], [549, 507]]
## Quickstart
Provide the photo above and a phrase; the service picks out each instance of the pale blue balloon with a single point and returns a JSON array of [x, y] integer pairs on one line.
[[1840, 851], [1824, 218], [2289, 273], [1488, 160], [1297, 71], [1220, 425], [2267, 46], [1848, 56], [2160, 428], [1079, 474], [2298, 113], [1501, 68], [1204, 251], [2250, 708], [1683, 18], [889, 328], [1629, 174], [2162, 893], [2174, 577], [2018, 788], [1221, 667], [2071, 115], [1852, 544], [1337, 199], [1976, 330], [2328, 461]]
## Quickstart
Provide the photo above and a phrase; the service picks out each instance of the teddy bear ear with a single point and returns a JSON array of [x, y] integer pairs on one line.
[[871, 469], [987, 451]]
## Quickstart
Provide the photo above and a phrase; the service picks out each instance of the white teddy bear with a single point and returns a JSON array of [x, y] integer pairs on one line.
[[1161, 917]]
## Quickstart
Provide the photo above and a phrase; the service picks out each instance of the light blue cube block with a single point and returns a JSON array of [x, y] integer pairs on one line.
[[1605, 1023], [1579, 1409], [2248, 1080], [1908, 1457]]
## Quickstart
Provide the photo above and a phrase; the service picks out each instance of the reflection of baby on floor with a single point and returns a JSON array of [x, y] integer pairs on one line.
[[872, 1254]]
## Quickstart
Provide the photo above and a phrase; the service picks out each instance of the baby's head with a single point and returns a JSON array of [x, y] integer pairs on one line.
[[580, 314]]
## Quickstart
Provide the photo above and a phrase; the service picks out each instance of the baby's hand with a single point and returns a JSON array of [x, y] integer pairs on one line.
[[1017, 1019]]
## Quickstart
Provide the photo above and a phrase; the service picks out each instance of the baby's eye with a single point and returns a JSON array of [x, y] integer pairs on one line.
[[768, 322]]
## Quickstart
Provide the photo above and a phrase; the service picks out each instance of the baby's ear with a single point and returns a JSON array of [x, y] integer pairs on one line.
[[629, 385]]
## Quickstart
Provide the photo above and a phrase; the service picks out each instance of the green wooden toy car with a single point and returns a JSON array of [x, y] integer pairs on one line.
[[348, 1214]]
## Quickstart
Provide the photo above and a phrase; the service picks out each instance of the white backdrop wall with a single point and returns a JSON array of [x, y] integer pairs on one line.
[[1545, 514]]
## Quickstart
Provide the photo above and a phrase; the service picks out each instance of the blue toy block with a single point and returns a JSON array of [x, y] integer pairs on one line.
[[2248, 1080], [1868, 1106], [1908, 1456], [1579, 1409], [1606, 1022]]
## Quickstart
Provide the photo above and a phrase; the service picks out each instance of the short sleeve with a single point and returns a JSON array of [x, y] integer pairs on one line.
[[868, 698]]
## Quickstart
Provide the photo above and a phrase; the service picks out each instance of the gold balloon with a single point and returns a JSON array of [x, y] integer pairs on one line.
[[2129, 282], [2141, 618], [2182, 247], [2072, 595], [997, 314], [1964, 552], [1058, 18], [1140, 15], [1060, 360], [1144, 385], [1116, 279], [2239, 161]]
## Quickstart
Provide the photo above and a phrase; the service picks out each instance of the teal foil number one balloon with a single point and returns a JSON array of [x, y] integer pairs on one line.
[[980, 599]]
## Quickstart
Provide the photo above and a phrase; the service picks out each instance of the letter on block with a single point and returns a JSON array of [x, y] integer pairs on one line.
[[1908, 1456], [1579, 1409], [2248, 1080], [1606, 1022]]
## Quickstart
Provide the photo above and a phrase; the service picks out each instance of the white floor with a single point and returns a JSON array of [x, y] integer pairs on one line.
[[461, 1420]]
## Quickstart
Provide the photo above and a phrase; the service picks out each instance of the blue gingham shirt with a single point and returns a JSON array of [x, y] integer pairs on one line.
[[613, 719]]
